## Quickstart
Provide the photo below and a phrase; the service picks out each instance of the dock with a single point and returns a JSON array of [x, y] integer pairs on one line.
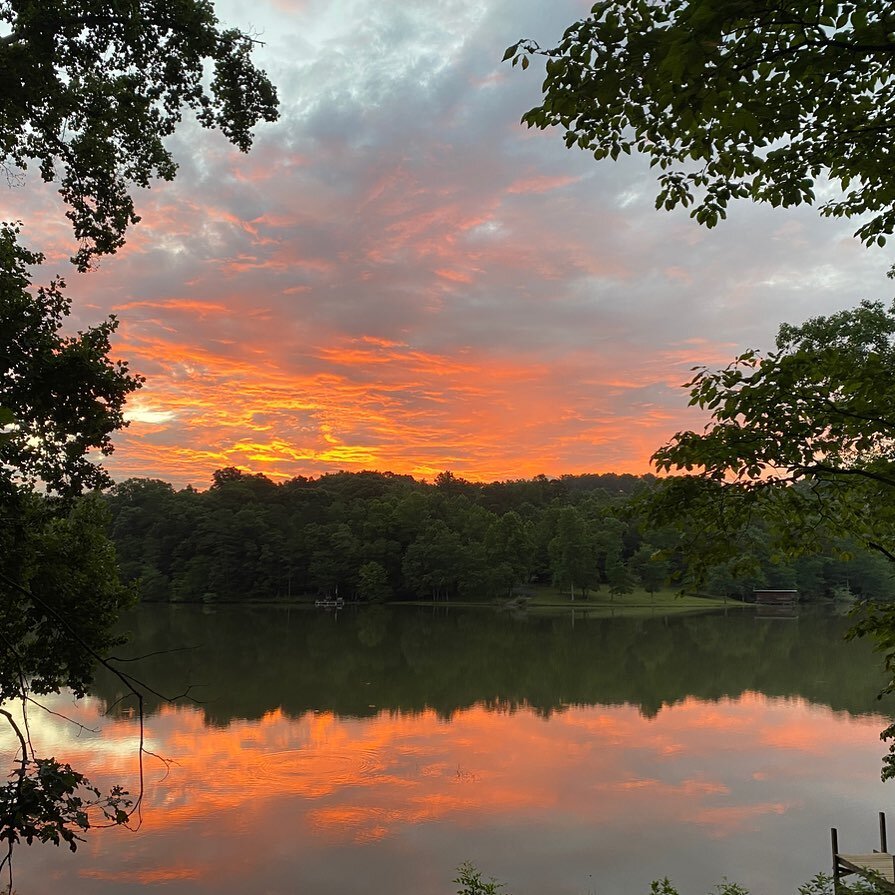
[[878, 867]]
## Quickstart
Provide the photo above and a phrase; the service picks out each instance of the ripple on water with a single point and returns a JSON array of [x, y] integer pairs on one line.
[[317, 772]]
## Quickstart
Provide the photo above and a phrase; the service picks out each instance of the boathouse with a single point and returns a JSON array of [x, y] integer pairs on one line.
[[776, 597]]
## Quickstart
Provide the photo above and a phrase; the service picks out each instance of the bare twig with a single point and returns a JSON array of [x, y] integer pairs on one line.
[[160, 652], [134, 686], [49, 711], [21, 737], [22, 771]]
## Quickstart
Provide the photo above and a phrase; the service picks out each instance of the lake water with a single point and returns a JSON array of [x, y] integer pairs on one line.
[[375, 751]]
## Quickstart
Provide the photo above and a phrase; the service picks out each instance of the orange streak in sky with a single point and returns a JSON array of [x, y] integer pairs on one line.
[[376, 403], [455, 276], [540, 184]]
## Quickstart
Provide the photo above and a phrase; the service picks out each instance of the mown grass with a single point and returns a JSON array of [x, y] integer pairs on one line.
[[637, 603], [668, 598]]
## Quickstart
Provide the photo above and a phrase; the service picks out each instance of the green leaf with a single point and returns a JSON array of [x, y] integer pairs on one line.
[[719, 83]]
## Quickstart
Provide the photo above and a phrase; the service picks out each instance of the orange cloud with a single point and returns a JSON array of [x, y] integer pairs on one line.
[[179, 305], [235, 396], [455, 276], [540, 184]]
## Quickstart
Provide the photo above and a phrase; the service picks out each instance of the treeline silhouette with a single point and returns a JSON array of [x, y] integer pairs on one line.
[[376, 537]]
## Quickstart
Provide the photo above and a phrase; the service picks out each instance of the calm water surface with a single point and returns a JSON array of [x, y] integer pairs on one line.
[[375, 751]]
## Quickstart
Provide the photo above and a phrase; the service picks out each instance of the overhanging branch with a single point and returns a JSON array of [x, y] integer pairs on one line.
[[820, 468]]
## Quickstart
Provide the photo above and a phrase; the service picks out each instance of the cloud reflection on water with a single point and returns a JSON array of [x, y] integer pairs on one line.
[[321, 799]]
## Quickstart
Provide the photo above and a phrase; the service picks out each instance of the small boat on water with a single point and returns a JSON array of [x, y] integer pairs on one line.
[[330, 603]]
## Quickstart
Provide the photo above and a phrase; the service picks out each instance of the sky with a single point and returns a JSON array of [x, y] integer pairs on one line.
[[402, 277]]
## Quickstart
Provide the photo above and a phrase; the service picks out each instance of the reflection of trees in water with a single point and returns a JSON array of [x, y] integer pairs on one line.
[[250, 660]]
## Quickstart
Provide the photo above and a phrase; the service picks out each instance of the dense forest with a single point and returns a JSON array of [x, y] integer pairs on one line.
[[377, 537]]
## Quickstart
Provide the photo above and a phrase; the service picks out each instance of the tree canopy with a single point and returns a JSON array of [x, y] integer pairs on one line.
[[817, 412], [61, 395], [734, 99], [60, 398], [803, 437], [90, 90], [372, 537]]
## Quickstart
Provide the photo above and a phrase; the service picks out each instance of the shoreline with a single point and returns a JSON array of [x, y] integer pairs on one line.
[[546, 602]]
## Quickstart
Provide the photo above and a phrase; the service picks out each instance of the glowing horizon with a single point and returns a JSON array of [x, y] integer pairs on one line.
[[366, 403]]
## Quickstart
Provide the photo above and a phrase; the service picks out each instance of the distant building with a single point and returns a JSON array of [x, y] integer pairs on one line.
[[776, 597]]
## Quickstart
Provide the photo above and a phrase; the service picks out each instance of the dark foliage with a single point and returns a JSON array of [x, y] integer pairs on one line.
[[733, 99], [377, 536], [90, 89]]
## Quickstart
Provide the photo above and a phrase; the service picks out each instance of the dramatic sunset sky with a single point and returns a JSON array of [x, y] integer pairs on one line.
[[402, 277]]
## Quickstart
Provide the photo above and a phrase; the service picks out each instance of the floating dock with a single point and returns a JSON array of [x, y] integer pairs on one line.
[[878, 867]]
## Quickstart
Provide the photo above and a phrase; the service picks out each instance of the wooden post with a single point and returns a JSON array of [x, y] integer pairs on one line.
[[834, 843], [883, 846]]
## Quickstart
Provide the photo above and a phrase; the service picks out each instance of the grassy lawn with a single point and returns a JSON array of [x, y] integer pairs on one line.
[[638, 603], [665, 599]]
